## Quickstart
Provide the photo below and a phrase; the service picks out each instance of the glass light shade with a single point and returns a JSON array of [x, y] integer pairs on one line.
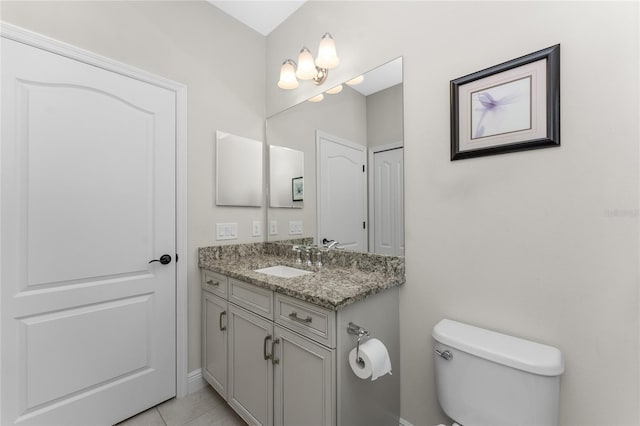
[[317, 98], [306, 66], [327, 56], [288, 79], [335, 90], [359, 79]]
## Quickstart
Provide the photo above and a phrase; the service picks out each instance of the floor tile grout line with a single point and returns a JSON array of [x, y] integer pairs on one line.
[[160, 414]]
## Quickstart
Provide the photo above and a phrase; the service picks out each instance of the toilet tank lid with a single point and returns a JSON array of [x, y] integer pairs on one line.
[[512, 351]]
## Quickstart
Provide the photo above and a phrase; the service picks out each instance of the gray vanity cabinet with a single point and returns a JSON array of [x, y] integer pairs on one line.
[[214, 341], [287, 359], [304, 381], [265, 369], [250, 368]]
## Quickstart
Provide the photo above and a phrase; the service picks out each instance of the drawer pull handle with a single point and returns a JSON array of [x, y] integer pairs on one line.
[[222, 327], [264, 348], [211, 282], [294, 316], [274, 360]]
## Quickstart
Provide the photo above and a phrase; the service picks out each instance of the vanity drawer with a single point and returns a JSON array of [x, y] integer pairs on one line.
[[312, 321], [214, 282], [256, 299]]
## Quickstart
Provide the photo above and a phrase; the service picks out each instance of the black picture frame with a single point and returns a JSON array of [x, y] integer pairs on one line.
[[541, 72], [297, 189]]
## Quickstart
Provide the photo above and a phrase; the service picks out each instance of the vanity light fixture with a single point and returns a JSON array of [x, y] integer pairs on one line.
[[307, 68], [316, 98], [359, 79], [288, 75], [335, 90]]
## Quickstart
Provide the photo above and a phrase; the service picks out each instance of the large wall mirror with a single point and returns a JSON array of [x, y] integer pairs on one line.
[[351, 148]]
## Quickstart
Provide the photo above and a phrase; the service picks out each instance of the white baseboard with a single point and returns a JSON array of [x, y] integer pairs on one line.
[[195, 381], [404, 422]]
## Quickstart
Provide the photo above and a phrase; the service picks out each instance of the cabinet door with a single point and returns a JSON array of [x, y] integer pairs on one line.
[[214, 342], [250, 369], [304, 392]]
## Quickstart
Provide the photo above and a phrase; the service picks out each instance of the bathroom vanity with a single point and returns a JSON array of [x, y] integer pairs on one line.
[[276, 349]]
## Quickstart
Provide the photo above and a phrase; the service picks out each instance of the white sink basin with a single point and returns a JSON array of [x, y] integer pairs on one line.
[[283, 271]]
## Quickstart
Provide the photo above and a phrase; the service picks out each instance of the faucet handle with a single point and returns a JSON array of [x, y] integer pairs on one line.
[[307, 252], [296, 249], [329, 244]]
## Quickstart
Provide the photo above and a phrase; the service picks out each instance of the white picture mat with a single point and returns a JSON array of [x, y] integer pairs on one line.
[[538, 126]]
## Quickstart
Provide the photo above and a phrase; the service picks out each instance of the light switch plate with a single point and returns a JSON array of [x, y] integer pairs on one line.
[[295, 227], [273, 227], [226, 231], [256, 229]]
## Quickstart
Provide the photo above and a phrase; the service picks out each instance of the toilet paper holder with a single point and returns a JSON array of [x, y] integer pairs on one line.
[[356, 330]]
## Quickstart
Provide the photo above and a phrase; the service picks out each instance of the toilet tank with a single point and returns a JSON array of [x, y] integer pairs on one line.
[[492, 379]]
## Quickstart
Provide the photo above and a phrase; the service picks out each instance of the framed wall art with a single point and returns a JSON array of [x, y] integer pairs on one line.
[[297, 188], [513, 106]]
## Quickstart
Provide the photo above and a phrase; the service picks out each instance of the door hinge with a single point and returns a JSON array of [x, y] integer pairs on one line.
[[364, 225], [363, 168], [176, 257]]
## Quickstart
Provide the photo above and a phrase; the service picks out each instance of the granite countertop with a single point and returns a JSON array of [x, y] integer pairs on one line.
[[332, 286]]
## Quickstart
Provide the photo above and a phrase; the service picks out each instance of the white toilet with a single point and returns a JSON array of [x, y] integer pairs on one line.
[[484, 378]]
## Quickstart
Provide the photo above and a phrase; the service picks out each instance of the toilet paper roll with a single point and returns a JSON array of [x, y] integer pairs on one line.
[[375, 360]]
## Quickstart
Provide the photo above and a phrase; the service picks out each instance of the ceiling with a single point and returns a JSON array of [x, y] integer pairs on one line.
[[263, 16]]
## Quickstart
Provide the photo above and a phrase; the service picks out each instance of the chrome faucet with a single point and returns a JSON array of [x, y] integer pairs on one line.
[[298, 251], [319, 257], [329, 244], [307, 255]]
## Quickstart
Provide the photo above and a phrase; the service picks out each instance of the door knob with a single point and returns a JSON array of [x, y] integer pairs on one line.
[[164, 259]]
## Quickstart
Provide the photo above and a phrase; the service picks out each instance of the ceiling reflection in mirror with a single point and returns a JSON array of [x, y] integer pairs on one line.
[[351, 148]]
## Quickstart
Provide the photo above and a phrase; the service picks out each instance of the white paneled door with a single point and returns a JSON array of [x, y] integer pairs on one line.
[[342, 192], [87, 201], [387, 215]]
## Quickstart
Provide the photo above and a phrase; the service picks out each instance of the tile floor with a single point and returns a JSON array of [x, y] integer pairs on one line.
[[204, 407]]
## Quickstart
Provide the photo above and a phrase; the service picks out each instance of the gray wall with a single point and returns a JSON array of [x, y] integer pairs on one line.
[[384, 117], [541, 244], [189, 43]]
